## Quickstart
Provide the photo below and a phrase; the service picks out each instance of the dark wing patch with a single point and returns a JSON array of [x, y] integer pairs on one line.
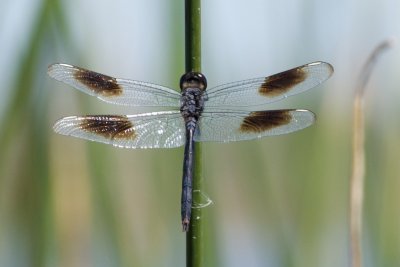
[[261, 121], [109, 127], [280, 83], [99, 83]]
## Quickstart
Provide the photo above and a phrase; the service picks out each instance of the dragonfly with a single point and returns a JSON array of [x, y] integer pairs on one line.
[[229, 112]]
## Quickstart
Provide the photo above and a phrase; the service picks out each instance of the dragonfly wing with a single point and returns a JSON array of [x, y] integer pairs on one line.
[[149, 130], [253, 93], [246, 125], [115, 90]]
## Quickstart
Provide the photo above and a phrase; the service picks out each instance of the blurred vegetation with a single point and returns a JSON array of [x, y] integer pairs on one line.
[[279, 201], [27, 202]]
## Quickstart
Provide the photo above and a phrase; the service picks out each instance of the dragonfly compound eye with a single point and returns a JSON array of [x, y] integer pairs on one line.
[[193, 80]]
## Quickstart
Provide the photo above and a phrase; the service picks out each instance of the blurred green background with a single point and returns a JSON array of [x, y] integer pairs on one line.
[[280, 201]]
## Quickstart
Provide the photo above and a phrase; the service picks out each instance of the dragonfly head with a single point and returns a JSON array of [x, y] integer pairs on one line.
[[193, 80]]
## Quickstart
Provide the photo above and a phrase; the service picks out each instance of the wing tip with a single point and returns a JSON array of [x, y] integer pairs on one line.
[[327, 66], [305, 111], [53, 70], [61, 124]]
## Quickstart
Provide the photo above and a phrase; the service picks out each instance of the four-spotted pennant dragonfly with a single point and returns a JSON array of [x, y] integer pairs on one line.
[[225, 113]]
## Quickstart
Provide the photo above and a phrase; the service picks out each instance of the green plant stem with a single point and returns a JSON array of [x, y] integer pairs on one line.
[[193, 35], [194, 237]]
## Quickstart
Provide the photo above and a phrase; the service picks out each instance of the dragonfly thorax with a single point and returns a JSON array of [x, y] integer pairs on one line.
[[192, 104], [193, 86]]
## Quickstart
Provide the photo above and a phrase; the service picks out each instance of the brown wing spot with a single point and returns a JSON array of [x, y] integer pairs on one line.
[[98, 83], [280, 83], [261, 121], [110, 127]]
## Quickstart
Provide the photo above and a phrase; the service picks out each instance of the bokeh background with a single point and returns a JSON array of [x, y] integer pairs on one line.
[[280, 201]]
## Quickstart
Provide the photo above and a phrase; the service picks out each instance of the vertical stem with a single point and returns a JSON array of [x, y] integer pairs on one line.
[[193, 35], [357, 182], [358, 168], [194, 237]]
